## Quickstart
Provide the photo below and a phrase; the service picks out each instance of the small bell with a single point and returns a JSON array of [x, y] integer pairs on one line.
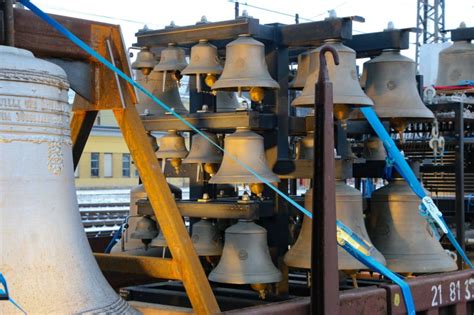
[[456, 63], [206, 238], [146, 230], [374, 149], [246, 258], [204, 60], [172, 60], [305, 147], [145, 61], [247, 147], [172, 148], [245, 69], [363, 76], [402, 235], [302, 72], [347, 92], [204, 153]]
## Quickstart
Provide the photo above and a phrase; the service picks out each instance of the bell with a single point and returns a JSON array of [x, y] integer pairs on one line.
[[145, 61], [45, 255], [172, 59], [145, 229], [374, 149], [245, 68], [206, 239], [347, 92], [402, 235], [348, 211], [302, 73], [247, 147], [363, 76], [227, 101], [305, 147], [165, 89], [204, 153], [391, 85], [245, 258], [172, 148], [204, 60], [456, 63], [159, 240]]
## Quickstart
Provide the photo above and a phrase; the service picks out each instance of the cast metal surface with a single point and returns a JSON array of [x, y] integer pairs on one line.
[[206, 238], [35, 143], [402, 235], [145, 60], [227, 101], [302, 72], [203, 59], [171, 146], [247, 147], [172, 59], [245, 258], [202, 151], [456, 63], [245, 66]]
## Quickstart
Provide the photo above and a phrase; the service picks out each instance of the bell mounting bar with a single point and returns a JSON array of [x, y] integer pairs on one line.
[[314, 33], [372, 44], [218, 31], [462, 33]]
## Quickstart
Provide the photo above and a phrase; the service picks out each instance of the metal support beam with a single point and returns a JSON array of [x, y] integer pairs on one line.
[[459, 157], [324, 270]]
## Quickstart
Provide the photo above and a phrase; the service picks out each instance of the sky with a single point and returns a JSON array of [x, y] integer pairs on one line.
[[132, 15]]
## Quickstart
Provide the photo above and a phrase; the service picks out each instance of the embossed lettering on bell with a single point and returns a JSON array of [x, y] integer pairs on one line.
[[45, 256]]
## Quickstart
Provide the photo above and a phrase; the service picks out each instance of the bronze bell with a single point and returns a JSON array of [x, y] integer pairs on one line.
[[302, 72], [247, 147], [44, 252], [172, 147], [204, 153], [145, 230], [391, 85], [402, 235], [145, 61], [349, 212], [245, 257], [374, 149], [245, 68], [456, 63], [363, 76], [172, 59], [347, 92], [227, 101], [165, 89], [204, 60], [305, 147], [206, 238]]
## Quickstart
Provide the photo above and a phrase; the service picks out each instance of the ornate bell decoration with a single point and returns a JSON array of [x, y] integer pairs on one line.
[[165, 89], [145, 61], [145, 230], [348, 211], [204, 153], [374, 149], [302, 73], [204, 60], [456, 63], [172, 60], [402, 235], [227, 101], [247, 147], [48, 263], [245, 258], [245, 69], [347, 92], [305, 147], [172, 147], [391, 85], [206, 238]]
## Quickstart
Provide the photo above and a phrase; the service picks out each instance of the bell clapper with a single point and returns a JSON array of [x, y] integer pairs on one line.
[[257, 189], [257, 94], [261, 288], [176, 163], [210, 168], [210, 79]]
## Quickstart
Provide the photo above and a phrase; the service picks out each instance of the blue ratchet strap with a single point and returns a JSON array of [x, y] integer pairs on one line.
[[5, 296], [109, 65], [427, 205], [387, 171], [115, 239]]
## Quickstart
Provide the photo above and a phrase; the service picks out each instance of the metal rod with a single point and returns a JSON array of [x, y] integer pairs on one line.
[[459, 205], [236, 9], [9, 25], [325, 284]]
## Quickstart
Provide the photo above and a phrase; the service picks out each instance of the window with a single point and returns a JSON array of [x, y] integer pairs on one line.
[[108, 165], [95, 164], [126, 165]]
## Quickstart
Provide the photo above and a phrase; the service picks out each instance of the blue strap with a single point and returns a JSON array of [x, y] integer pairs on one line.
[[109, 65], [404, 169], [388, 168], [4, 294], [115, 239]]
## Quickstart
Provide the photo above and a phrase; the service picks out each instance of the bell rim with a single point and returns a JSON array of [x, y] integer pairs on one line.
[[189, 70], [242, 83], [239, 179]]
